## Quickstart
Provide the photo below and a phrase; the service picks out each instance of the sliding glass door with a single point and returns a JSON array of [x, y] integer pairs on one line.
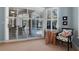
[[12, 23], [37, 27], [24, 23]]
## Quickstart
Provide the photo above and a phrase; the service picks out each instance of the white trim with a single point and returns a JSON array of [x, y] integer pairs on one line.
[[6, 24], [17, 26], [51, 18], [51, 9], [57, 25]]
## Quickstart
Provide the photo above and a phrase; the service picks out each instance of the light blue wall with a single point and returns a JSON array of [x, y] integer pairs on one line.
[[65, 11], [75, 26], [2, 20], [72, 13]]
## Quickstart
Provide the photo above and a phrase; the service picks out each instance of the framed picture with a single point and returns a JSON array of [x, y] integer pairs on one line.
[[65, 17], [65, 23]]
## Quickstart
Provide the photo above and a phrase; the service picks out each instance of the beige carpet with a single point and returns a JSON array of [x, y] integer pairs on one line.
[[31, 45]]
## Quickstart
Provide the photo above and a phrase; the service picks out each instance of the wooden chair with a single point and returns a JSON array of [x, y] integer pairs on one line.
[[65, 37]]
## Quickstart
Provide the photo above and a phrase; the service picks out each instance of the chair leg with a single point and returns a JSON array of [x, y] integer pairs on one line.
[[71, 44], [57, 42], [68, 46]]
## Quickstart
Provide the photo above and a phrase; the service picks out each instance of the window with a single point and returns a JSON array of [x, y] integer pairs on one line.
[[51, 18], [39, 24], [54, 22], [33, 23], [12, 12], [49, 24]]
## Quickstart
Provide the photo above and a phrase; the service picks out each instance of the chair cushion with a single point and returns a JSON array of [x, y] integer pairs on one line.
[[66, 33], [63, 36], [65, 39]]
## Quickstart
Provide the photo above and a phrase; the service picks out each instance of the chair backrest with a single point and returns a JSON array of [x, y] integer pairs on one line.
[[68, 29]]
